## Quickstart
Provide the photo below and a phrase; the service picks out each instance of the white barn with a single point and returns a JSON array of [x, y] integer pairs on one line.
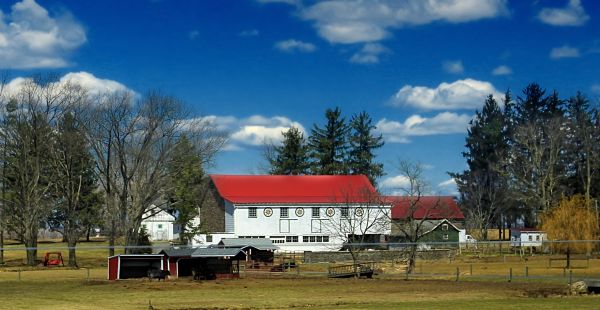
[[160, 226], [299, 213]]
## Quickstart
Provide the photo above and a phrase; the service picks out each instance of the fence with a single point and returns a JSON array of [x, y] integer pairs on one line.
[[485, 261]]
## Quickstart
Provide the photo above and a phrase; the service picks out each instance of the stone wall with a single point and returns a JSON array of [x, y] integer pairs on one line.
[[397, 255]]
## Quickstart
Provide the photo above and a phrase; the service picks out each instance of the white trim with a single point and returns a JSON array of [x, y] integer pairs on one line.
[[118, 267]]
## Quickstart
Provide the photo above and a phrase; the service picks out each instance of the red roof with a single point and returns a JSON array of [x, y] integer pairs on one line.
[[293, 189], [430, 207]]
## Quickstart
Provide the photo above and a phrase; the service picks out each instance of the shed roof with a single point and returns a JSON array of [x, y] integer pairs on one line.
[[202, 252], [258, 243], [429, 207], [294, 189], [178, 252]]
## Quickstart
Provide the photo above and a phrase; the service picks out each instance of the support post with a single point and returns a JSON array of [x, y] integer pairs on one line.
[[471, 269], [457, 273], [526, 271], [510, 275]]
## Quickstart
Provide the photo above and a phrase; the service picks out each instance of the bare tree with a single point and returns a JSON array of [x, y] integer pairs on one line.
[[414, 216], [133, 142], [361, 222], [27, 136], [535, 166]]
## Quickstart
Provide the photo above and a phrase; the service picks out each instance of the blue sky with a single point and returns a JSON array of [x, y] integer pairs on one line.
[[256, 67]]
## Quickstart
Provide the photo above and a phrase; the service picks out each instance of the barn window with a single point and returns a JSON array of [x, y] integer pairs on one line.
[[445, 236], [345, 211], [284, 212], [445, 227], [325, 238], [316, 212], [159, 226], [252, 212], [209, 238], [319, 238], [304, 238], [291, 239], [537, 238], [530, 238]]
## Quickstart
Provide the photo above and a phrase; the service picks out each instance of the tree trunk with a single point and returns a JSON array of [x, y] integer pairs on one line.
[[1, 245], [87, 233], [412, 257], [111, 239], [72, 242], [31, 249]]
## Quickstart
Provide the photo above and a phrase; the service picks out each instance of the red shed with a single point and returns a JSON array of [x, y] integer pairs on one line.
[[127, 266]]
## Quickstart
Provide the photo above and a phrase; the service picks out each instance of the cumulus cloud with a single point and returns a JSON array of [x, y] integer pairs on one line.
[[356, 21], [30, 38], [251, 131], [448, 187], [394, 185], [564, 51], [454, 67], [417, 125], [91, 83], [369, 54], [461, 94], [571, 15], [502, 70], [293, 45]]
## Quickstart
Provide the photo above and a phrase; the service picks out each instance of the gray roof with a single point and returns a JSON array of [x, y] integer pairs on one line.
[[202, 252], [258, 243], [216, 252], [178, 252]]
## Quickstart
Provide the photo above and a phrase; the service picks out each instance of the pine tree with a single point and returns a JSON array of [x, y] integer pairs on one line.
[[77, 202], [187, 180], [363, 143], [290, 158], [482, 186], [328, 146]]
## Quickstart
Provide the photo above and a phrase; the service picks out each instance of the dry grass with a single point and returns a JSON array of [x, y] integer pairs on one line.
[[283, 293]]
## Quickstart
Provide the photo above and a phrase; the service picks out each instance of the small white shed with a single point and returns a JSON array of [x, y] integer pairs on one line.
[[527, 237], [160, 226]]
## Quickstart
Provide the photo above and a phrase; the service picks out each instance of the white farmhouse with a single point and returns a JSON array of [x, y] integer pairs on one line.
[[298, 213], [160, 226]]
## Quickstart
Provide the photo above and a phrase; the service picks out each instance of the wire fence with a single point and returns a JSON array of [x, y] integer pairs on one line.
[[448, 261]]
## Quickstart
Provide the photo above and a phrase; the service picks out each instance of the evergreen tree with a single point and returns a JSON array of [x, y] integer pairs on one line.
[[291, 157], [77, 202], [482, 186], [363, 143], [185, 196], [328, 145]]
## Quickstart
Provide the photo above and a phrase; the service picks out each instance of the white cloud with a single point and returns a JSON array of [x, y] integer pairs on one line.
[[596, 88], [31, 38], [461, 94], [564, 51], [417, 125], [571, 15], [394, 184], [251, 131], [91, 83], [293, 45], [249, 33], [502, 70], [369, 54], [448, 187], [454, 67], [356, 21]]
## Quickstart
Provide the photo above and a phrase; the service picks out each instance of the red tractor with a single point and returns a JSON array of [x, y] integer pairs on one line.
[[53, 259]]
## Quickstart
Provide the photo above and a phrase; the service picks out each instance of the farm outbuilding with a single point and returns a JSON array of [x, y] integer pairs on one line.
[[206, 262], [126, 266], [527, 237]]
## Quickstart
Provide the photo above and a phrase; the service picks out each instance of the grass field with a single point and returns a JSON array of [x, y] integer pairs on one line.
[[434, 287]]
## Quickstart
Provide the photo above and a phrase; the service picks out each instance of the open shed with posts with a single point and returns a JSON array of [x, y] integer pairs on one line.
[[259, 251], [126, 266], [207, 263]]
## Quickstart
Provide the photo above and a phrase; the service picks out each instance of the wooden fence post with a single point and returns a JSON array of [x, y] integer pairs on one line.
[[510, 275], [457, 273]]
